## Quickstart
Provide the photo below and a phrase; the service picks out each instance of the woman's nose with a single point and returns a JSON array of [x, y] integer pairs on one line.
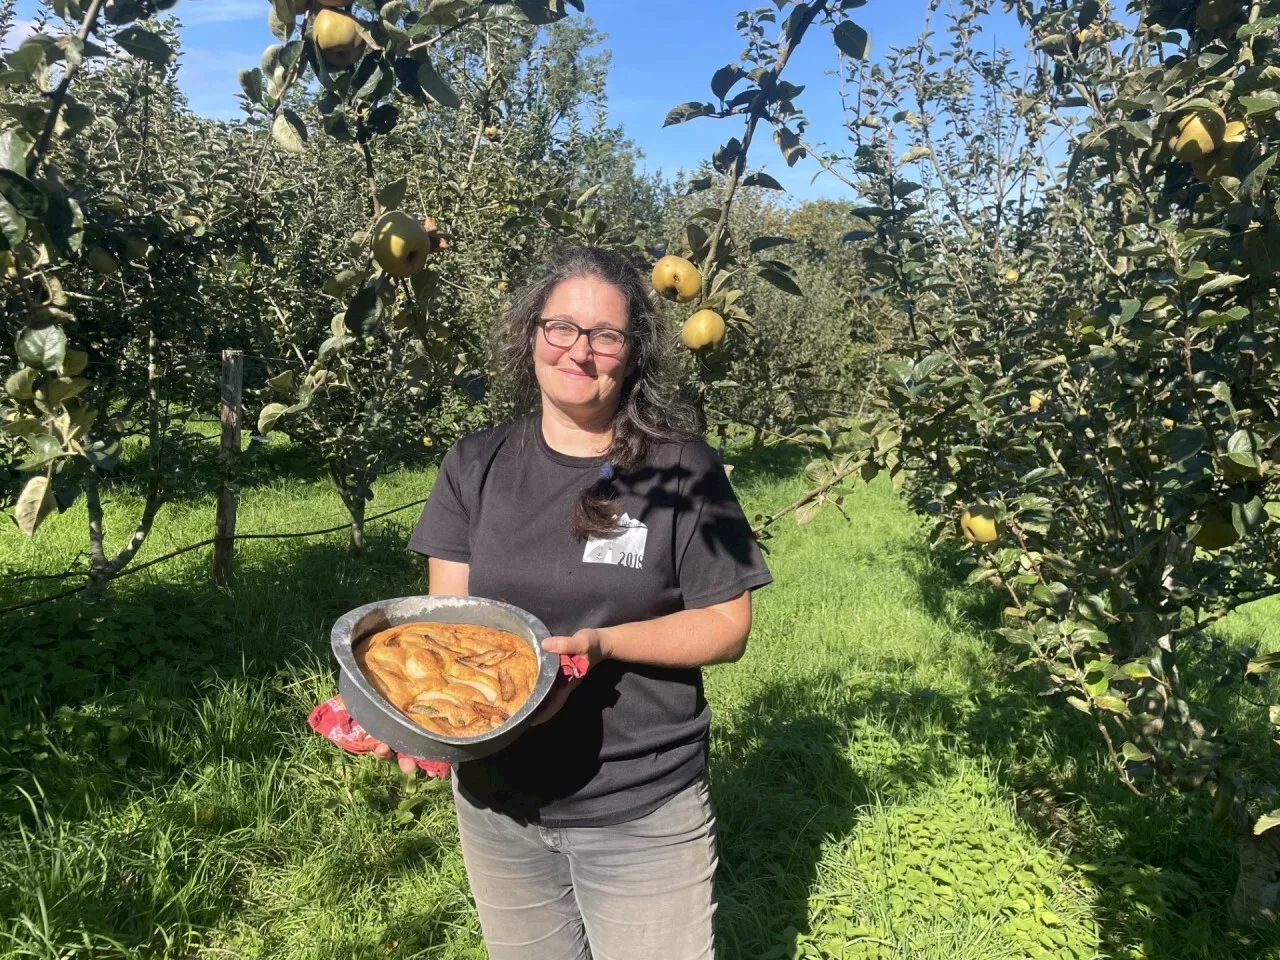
[[581, 350]]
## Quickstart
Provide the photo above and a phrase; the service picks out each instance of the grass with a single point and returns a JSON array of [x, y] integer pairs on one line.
[[884, 788]]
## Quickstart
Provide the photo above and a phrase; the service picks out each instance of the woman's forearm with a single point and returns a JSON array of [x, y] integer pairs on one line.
[[689, 638]]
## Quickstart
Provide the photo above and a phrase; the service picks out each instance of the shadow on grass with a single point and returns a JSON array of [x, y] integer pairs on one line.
[[772, 463], [1162, 872], [783, 789]]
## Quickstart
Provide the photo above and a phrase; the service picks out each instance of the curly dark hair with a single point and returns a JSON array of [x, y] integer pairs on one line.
[[650, 409]]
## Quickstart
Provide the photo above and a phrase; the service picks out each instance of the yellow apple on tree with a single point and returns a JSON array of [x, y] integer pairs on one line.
[[677, 279], [978, 523], [1216, 529], [1196, 134], [703, 330], [1218, 164], [400, 244], [103, 261], [1212, 14], [337, 36]]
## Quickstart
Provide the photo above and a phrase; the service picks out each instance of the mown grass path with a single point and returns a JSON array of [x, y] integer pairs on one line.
[[885, 788]]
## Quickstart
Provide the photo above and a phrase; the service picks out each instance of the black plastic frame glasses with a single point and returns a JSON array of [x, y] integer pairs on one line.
[[606, 341]]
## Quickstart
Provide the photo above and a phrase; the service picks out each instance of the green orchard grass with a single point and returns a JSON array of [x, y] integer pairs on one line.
[[885, 786]]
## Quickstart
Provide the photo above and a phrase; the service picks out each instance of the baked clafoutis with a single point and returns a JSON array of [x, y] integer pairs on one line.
[[455, 679]]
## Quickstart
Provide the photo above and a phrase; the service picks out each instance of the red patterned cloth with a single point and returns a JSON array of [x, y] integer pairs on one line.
[[332, 721]]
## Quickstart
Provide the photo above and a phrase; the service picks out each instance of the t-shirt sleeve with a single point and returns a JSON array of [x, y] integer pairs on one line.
[[717, 556], [443, 530]]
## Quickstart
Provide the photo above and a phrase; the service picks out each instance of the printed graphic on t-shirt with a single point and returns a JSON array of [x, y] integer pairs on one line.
[[624, 548]]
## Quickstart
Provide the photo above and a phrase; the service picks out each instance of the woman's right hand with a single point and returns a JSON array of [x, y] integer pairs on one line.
[[408, 765]]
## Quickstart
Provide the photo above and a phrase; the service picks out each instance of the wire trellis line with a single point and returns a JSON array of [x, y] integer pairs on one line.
[[128, 571]]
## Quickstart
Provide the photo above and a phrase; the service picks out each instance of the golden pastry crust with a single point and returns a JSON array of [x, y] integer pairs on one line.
[[456, 679]]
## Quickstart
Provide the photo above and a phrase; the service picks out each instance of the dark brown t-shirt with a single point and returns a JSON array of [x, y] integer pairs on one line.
[[631, 736]]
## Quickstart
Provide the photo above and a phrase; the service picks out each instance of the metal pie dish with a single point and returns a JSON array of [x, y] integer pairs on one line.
[[381, 719]]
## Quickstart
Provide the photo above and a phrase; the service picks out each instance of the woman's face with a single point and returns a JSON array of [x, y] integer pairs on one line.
[[576, 379]]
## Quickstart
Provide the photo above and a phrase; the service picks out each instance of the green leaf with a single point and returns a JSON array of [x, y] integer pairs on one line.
[[33, 54], [1186, 441], [1264, 102], [391, 194], [22, 427], [1259, 666], [764, 243], [384, 118], [146, 45], [13, 151], [44, 450], [65, 224], [289, 131], [722, 80], [281, 19], [251, 84], [1223, 281], [21, 385], [688, 111], [852, 40], [435, 87], [539, 12], [789, 143], [42, 347], [1114, 704], [64, 388], [760, 180], [1133, 752], [806, 513], [979, 575], [334, 345], [282, 383], [1263, 25], [13, 225], [1266, 822], [269, 416], [781, 281], [1252, 183], [365, 310], [35, 502], [25, 196]]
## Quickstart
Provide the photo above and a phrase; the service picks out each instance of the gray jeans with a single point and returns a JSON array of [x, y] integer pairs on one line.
[[635, 891]]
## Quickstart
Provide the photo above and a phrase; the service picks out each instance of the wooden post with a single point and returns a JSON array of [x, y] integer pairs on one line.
[[229, 492]]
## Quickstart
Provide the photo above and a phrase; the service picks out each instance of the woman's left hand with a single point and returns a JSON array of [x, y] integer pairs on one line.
[[584, 643], [587, 642]]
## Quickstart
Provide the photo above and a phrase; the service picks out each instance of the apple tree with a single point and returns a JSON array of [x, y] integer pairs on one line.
[[114, 198], [1082, 258], [706, 250]]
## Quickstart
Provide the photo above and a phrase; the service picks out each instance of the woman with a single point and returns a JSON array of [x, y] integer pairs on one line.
[[604, 515]]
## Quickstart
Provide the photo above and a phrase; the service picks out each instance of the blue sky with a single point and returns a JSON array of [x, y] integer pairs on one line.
[[664, 52]]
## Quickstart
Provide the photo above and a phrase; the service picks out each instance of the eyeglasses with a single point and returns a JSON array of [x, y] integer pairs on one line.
[[563, 334]]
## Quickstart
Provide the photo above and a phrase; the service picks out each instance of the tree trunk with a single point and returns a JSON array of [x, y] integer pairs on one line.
[[355, 507], [1257, 898], [101, 570], [354, 495]]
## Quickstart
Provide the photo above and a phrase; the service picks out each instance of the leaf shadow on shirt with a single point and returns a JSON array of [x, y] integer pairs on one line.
[[707, 500]]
